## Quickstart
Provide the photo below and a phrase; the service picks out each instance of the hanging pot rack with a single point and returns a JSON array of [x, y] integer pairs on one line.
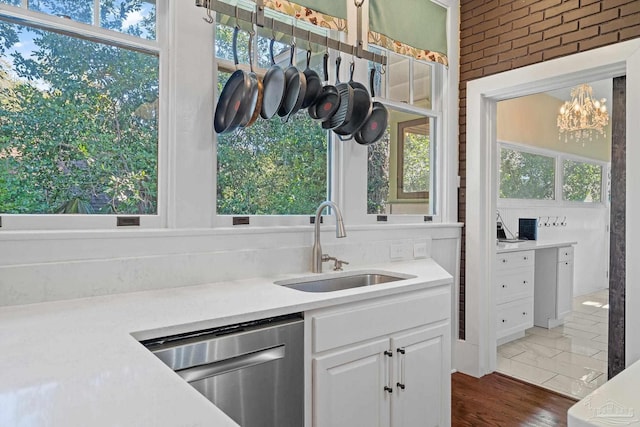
[[258, 18]]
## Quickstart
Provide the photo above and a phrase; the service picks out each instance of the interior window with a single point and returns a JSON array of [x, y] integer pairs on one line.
[[400, 172], [275, 166], [79, 120], [526, 175], [582, 181]]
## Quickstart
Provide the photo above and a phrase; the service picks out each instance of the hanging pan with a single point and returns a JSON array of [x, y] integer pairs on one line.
[[274, 87], [314, 85], [376, 124], [259, 86], [361, 108], [328, 100], [296, 86], [239, 96], [343, 113]]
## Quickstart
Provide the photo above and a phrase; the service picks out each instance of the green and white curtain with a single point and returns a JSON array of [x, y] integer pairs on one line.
[[415, 28]]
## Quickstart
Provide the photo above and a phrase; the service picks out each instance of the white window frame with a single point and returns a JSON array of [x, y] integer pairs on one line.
[[559, 158], [95, 33]]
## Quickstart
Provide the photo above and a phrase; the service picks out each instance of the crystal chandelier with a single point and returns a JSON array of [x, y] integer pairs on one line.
[[582, 116]]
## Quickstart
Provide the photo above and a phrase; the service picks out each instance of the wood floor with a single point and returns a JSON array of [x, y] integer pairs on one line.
[[497, 400]]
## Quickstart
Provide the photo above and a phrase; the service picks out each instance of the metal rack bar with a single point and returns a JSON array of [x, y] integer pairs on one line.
[[258, 17]]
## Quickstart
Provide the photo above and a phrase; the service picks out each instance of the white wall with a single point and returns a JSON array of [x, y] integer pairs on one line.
[[587, 226]]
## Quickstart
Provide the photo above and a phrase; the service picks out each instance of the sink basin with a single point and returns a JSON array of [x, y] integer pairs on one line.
[[339, 283]]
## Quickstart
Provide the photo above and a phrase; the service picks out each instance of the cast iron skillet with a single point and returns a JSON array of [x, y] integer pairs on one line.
[[361, 108], [296, 86], [239, 95], [376, 124], [260, 86], [314, 85], [274, 88], [343, 113], [328, 100]]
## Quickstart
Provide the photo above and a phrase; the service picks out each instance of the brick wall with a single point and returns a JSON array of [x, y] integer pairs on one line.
[[500, 35]]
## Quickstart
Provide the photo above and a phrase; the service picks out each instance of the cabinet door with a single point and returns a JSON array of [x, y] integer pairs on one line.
[[564, 289], [349, 386], [422, 380]]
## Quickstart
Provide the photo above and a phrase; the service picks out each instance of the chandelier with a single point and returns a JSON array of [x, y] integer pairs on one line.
[[583, 116]]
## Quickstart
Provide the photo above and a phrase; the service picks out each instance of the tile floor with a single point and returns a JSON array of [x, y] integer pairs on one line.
[[570, 359]]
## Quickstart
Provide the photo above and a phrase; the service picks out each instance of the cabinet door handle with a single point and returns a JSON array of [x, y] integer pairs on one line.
[[524, 282], [504, 286], [504, 260], [401, 384], [524, 313], [504, 321], [525, 258], [387, 361]]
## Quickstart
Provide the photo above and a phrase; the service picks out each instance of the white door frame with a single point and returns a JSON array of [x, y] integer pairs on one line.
[[476, 355]]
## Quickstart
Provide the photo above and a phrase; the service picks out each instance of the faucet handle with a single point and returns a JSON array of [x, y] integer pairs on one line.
[[337, 266]]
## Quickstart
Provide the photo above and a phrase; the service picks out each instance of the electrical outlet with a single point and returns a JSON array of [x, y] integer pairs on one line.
[[399, 251], [420, 250]]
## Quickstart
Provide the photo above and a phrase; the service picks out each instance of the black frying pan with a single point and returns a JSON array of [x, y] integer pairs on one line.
[[274, 88], [238, 97], [296, 86], [314, 85], [328, 100], [343, 113], [376, 124], [361, 108]]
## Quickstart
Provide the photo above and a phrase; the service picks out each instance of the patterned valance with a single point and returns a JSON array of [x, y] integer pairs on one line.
[[315, 16], [410, 27]]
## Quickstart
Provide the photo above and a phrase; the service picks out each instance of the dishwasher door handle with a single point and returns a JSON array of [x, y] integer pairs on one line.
[[201, 372]]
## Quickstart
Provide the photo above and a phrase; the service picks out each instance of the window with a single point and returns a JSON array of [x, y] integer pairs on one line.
[[581, 182], [400, 173], [273, 167], [525, 175], [414, 154], [79, 115]]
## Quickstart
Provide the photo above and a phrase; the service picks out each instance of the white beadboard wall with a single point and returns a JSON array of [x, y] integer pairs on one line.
[[587, 226], [49, 266]]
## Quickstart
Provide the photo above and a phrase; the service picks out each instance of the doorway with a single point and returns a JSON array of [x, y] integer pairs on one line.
[[555, 178], [482, 97]]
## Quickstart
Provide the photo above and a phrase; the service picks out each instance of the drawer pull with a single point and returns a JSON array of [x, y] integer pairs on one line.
[[524, 282], [504, 321], [525, 258], [524, 313], [504, 260], [504, 286]]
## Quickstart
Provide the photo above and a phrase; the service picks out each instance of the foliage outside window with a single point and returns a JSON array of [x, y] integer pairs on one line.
[[526, 175], [79, 118], [582, 182], [271, 167]]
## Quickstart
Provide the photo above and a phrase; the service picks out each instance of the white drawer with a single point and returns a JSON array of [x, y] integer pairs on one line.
[[353, 323], [517, 259], [514, 317], [514, 284], [565, 254]]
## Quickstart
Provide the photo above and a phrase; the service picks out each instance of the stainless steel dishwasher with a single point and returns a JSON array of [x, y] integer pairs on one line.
[[252, 371]]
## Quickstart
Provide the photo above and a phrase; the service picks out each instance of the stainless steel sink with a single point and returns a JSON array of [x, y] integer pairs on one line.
[[338, 283]]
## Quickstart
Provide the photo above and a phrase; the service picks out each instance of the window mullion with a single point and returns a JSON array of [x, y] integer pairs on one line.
[[96, 13]]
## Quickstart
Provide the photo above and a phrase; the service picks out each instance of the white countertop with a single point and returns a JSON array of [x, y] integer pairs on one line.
[[77, 363], [527, 245], [616, 402]]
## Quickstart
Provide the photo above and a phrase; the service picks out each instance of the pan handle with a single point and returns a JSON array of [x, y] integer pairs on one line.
[[338, 62], [372, 76], [325, 66], [273, 60], [234, 46], [251, 33], [352, 68], [308, 57], [293, 53]]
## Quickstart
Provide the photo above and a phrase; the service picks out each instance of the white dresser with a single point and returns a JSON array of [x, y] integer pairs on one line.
[[533, 286]]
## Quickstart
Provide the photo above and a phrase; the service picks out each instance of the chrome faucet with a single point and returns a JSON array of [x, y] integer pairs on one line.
[[317, 256]]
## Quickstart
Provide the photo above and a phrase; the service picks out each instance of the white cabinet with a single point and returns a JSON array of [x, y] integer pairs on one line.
[[554, 286], [514, 288], [394, 372]]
